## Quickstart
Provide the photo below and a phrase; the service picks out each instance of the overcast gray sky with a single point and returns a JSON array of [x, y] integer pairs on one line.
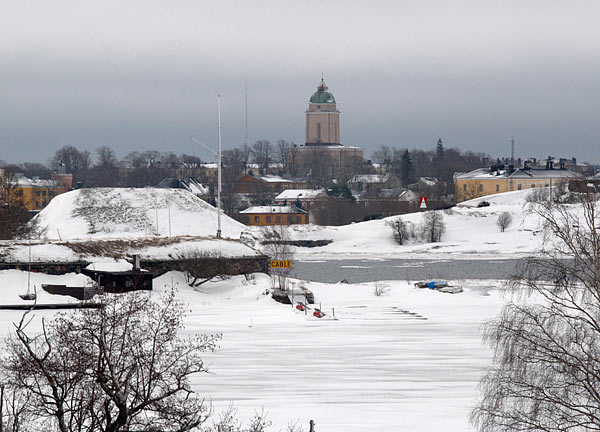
[[142, 75]]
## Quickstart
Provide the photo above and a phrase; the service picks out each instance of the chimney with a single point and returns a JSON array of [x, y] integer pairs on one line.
[[136, 263]]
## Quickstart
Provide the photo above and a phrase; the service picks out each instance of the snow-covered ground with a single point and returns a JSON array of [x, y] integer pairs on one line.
[[113, 213], [131, 213], [471, 233], [408, 360]]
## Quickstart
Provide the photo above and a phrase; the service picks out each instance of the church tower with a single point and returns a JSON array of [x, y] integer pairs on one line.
[[322, 119]]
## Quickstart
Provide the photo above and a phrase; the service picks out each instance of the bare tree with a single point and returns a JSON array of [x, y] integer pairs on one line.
[[151, 158], [14, 216], [134, 159], [169, 160], [384, 157], [283, 154], [200, 267], [75, 162], [246, 154], [276, 244], [433, 226], [106, 157], [262, 153], [545, 372], [399, 230], [121, 367], [504, 220]]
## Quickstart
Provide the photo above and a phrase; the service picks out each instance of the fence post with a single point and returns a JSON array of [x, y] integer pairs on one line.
[[311, 426]]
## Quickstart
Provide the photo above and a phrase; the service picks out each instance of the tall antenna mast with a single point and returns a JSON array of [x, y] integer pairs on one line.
[[512, 151], [219, 173], [246, 114]]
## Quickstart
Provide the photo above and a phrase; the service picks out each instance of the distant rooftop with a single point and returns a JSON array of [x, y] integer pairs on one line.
[[520, 173], [301, 194], [283, 209]]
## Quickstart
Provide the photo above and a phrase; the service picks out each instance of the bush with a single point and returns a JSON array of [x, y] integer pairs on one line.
[[380, 289], [432, 226], [504, 220], [399, 230]]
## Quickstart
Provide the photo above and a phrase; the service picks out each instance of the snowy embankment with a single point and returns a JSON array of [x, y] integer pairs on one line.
[[119, 222], [471, 233], [408, 360], [113, 213], [148, 249], [127, 213]]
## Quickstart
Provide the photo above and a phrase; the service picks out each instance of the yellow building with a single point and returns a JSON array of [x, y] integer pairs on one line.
[[490, 181], [274, 215], [322, 150], [35, 193]]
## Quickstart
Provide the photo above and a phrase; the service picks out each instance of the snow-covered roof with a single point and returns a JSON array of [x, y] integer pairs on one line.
[[301, 194], [370, 178], [399, 193], [485, 173], [282, 209], [197, 188], [429, 181], [23, 181], [275, 179]]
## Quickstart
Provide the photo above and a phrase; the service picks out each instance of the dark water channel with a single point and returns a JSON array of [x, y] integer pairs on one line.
[[360, 270]]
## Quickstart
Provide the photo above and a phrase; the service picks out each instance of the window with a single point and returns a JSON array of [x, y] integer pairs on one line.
[[20, 192], [519, 186], [318, 132], [256, 219], [37, 204], [532, 186], [497, 188], [37, 193], [298, 220], [268, 219], [43, 193], [289, 219], [277, 219], [464, 188], [480, 187]]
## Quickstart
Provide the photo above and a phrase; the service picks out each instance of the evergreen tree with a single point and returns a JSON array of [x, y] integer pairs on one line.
[[406, 168], [439, 151]]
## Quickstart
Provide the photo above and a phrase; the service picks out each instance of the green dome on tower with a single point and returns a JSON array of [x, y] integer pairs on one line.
[[322, 96]]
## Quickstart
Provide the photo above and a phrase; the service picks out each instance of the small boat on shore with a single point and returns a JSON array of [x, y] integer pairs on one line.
[[441, 286]]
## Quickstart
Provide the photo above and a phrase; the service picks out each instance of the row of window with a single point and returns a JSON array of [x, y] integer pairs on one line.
[[37, 193], [519, 187], [290, 219]]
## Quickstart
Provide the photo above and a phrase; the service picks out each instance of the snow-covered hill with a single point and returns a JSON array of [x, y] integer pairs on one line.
[[471, 232], [131, 213]]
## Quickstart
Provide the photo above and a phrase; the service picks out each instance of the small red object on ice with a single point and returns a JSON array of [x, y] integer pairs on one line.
[[300, 306], [318, 313]]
